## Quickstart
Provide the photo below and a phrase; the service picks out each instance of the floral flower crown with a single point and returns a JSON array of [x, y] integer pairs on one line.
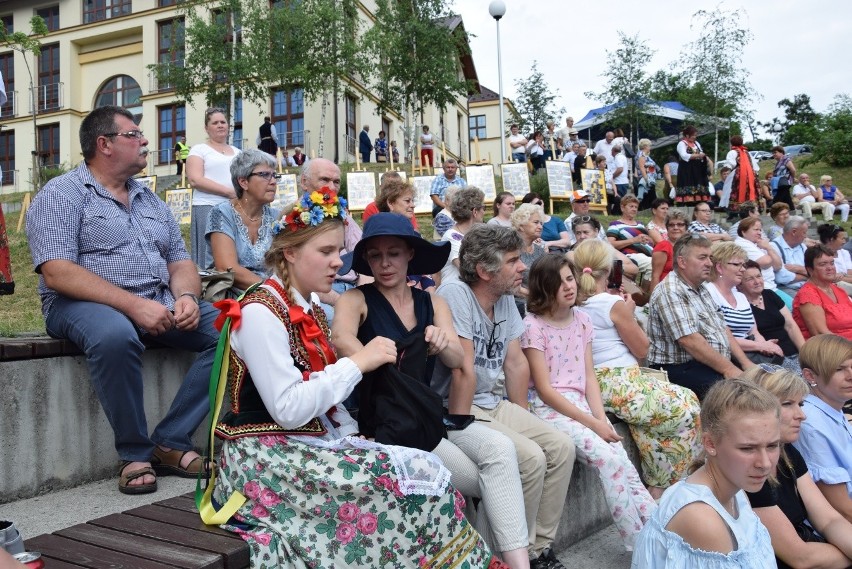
[[312, 209]]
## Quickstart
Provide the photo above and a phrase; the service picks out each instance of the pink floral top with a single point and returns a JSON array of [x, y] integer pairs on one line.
[[564, 349]]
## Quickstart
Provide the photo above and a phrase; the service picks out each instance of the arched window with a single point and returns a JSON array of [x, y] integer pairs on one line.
[[122, 91]]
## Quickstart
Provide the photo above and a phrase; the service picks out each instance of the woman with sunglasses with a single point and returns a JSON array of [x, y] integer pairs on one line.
[[805, 530], [663, 253], [663, 417], [726, 274], [834, 237], [557, 342], [825, 440], [239, 231], [208, 170]]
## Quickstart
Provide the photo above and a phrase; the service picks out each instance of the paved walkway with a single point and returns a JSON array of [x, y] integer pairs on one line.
[[57, 510]]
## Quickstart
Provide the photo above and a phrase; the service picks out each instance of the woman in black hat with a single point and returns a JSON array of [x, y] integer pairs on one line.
[[390, 250]]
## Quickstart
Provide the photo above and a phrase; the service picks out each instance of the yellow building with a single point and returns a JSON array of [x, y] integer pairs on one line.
[[97, 53], [484, 124]]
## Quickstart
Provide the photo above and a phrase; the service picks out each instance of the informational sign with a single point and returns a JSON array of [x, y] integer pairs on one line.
[[482, 177], [179, 201], [286, 191], [360, 189], [558, 179], [422, 186], [149, 182], [594, 182], [516, 178]]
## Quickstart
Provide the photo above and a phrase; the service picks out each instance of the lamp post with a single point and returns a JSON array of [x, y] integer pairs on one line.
[[497, 9]]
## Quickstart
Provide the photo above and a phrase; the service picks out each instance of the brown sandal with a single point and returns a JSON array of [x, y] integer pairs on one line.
[[168, 463], [125, 477]]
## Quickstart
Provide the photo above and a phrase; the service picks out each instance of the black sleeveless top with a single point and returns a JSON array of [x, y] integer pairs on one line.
[[382, 320]]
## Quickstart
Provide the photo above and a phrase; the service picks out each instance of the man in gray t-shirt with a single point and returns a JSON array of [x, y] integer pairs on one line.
[[489, 329]]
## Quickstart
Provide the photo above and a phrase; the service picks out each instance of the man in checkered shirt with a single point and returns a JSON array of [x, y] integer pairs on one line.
[[114, 269]]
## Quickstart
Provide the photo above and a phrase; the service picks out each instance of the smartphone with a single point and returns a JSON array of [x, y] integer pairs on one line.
[[457, 422], [615, 275]]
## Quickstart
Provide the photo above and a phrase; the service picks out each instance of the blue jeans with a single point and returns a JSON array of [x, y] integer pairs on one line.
[[113, 349], [622, 189], [519, 156]]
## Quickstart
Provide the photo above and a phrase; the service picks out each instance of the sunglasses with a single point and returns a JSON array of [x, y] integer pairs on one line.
[[770, 368], [490, 346]]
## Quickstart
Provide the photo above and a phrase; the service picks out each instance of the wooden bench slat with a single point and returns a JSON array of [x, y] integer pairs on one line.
[[87, 555], [178, 518], [145, 547], [54, 563], [234, 552], [182, 503]]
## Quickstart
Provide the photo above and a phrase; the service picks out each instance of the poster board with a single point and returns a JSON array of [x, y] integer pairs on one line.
[[422, 187], [286, 191], [482, 177], [149, 182], [179, 201], [559, 179], [360, 189], [402, 175], [594, 182], [516, 178]]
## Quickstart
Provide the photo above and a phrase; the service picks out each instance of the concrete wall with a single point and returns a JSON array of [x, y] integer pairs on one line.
[[53, 433]]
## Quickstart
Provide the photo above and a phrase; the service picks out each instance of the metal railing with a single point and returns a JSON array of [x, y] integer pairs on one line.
[[154, 83], [49, 97], [10, 109], [9, 179], [300, 138], [351, 144]]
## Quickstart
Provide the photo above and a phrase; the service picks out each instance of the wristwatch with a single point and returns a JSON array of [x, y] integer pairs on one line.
[[192, 295]]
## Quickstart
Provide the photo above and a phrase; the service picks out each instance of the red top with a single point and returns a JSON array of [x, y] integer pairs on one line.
[[665, 246], [373, 209], [838, 315]]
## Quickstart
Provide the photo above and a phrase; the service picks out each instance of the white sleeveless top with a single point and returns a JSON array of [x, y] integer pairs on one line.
[[608, 349]]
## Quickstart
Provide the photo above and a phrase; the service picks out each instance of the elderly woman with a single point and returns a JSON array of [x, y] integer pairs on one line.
[[646, 170], [504, 205], [832, 195], [657, 226], [726, 274], [662, 416], [467, 209], [527, 221], [820, 306], [834, 237], [702, 222], [553, 231], [208, 169], [793, 509], [629, 235], [780, 213], [783, 175], [758, 249], [239, 231], [663, 255], [587, 227], [773, 318]]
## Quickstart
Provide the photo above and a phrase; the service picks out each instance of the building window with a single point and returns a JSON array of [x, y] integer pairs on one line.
[[121, 91], [7, 68], [171, 125], [50, 15], [7, 23], [170, 50], [97, 10], [288, 116], [476, 125], [7, 156], [48, 144], [164, 3], [350, 124], [48, 78]]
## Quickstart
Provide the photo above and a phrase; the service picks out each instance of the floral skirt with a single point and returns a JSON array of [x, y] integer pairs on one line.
[[7, 285], [317, 507], [662, 416]]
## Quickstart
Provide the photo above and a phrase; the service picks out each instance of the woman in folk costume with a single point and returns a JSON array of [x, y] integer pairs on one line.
[[741, 185], [294, 479]]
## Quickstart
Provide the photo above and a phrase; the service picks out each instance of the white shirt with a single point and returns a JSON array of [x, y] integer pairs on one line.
[[803, 193], [604, 148], [517, 138], [754, 253], [843, 262], [620, 161], [217, 167], [608, 349]]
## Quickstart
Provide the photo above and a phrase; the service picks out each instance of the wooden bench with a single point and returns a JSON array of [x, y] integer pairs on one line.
[[166, 534]]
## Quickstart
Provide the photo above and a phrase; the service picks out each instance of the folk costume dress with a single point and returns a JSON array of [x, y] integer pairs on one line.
[[692, 182], [7, 285], [315, 496]]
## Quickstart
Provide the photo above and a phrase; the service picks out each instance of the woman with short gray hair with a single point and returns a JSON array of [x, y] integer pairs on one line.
[[468, 209], [527, 220], [239, 231]]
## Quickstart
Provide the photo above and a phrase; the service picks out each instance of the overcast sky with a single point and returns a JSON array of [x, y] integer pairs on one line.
[[570, 40]]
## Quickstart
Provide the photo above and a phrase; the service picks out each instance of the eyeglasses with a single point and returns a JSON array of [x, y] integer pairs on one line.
[[735, 265], [770, 368], [214, 110], [134, 134], [490, 347], [265, 175], [702, 210], [676, 224]]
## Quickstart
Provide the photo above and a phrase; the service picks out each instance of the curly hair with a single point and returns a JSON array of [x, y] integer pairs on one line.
[[484, 246], [464, 202]]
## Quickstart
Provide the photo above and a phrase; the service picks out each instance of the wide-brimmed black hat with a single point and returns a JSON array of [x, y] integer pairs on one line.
[[429, 258]]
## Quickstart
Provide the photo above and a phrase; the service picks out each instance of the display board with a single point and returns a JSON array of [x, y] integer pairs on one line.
[[558, 179], [516, 178], [594, 182], [482, 177], [149, 182], [286, 191], [422, 186], [360, 189], [179, 201]]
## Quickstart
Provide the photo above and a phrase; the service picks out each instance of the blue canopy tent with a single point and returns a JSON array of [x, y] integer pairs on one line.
[[672, 115]]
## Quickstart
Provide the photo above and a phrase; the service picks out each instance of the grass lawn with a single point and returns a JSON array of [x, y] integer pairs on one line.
[[20, 313]]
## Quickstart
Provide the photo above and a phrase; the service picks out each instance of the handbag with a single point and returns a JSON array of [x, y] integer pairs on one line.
[[398, 409], [216, 285]]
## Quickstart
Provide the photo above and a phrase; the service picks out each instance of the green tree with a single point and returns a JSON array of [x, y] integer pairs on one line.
[[833, 144], [418, 58], [713, 64], [628, 86], [534, 104], [800, 124], [26, 45]]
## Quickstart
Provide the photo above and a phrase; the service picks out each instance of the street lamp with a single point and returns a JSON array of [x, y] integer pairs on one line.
[[497, 9]]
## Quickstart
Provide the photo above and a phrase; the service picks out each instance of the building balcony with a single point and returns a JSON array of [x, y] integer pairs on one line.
[[160, 80], [48, 97], [10, 109]]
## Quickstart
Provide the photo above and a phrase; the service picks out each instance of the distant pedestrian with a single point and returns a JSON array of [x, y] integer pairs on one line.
[[364, 145], [181, 154], [267, 137]]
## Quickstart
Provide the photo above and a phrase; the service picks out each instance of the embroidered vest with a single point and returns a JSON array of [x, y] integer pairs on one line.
[[248, 415]]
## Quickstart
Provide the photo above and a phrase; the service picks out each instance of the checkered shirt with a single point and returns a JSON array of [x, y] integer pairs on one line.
[[678, 310], [75, 219], [441, 183]]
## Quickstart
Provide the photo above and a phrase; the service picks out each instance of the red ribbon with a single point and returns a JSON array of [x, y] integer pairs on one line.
[[228, 308]]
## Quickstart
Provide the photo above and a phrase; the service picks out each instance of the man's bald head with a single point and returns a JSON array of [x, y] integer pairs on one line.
[[318, 173]]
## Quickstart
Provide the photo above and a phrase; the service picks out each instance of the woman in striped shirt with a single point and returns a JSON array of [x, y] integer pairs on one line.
[[726, 273]]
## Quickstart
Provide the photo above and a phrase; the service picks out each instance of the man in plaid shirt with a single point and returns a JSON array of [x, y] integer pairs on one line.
[[114, 269]]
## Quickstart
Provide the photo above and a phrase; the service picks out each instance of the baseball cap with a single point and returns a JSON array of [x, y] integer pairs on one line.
[[579, 195], [573, 131]]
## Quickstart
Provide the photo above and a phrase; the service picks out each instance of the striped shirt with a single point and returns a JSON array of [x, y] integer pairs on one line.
[[738, 318]]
